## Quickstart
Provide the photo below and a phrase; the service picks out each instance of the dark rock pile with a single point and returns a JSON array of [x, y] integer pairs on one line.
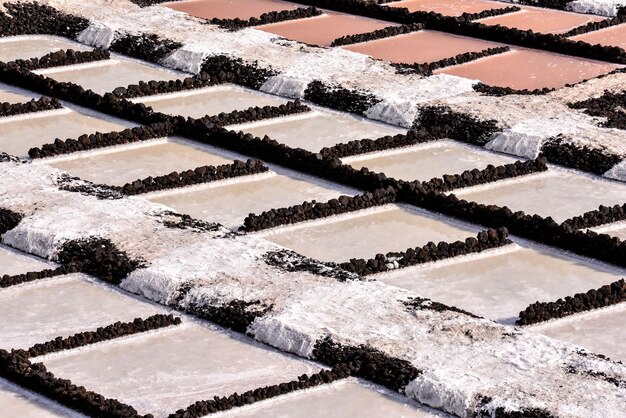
[[253, 114], [291, 261], [387, 32], [235, 70], [336, 97], [37, 19], [603, 215], [593, 299], [427, 68], [610, 105], [147, 47], [492, 238], [424, 304], [236, 315], [498, 91], [592, 160], [62, 57], [13, 280], [443, 122], [594, 26], [8, 220], [266, 18], [34, 105], [366, 145]]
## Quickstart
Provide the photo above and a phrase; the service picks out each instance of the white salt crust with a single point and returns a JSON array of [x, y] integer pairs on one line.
[[517, 369]]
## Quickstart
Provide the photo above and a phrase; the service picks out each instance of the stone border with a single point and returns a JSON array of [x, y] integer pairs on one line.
[[604, 296], [427, 68], [266, 18], [339, 98], [498, 91], [147, 47], [252, 114], [110, 332], [594, 26], [35, 105], [485, 240], [387, 32], [61, 58], [601, 216], [235, 70], [591, 160], [16, 279], [366, 145]]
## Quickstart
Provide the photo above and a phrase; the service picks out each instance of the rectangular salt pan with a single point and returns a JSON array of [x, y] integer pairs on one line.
[[499, 284], [344, 399], [230, 9], [449, 7], [9, 94], [16, 402], [600, 332], [425, 161], [15, 262], [62, 306], [106, 76], [211, 101], [171, 369], [530, 69], [323, 30], [558, 193], [541, 20], [14, 48], [613, 36], [231, 202], [316, 130], [418, 47], [370, 232], [21, 133], [121, 165]]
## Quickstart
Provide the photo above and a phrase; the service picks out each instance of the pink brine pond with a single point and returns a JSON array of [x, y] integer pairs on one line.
[[323, 30], [541, 20], [449, 7], [530, 69], [230, 9], [420, 47], [613, 36]]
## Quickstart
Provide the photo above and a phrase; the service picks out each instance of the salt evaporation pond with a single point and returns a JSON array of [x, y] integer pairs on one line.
[[561, 194], [25, 47], [229, 9], [500, 283], [613, 36], [171, 369], [417, 47], [17, 402], [425, 161], [530, 69], [449, 7], [20, 133], [105, 76], [600, 331], [120, 165], [369, 232], [62, 306], [541, 20], [15, 262], [323, 30], [210, 101], [9, 94], [229, 202], [318, 129], [345, 399]]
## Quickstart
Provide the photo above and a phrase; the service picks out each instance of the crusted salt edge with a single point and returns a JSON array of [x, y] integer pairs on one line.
[[617, 172], [597, 7]]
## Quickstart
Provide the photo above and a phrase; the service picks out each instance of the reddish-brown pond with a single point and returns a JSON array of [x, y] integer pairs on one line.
[[614, 36], [541, 20], [420, 47], [230, 9], [530, 69], [322, 30]]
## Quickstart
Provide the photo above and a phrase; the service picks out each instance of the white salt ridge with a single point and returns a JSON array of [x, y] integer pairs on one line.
[[281, 85], [617, 172], [98, 35], [516, 143], [597, 7]]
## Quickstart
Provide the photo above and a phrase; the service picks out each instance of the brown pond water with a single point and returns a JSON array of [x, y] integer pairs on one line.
[[541, 20], [126, 164], [322, 30], [105, 76], [449, 7], [13, 48], [530, 69], [613, 36], [230, 9], [420, 47]]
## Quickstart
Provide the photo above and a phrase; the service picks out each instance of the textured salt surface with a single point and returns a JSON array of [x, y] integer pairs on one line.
[[12, 95], [600, 332], [230, 9], [323, 30], [425, 161], [105, 76], [345, 399], [316, 130], [501, 283], [15, 402], [230, 202], [168, 370], [370, 232], [24, 47], [62, 306], [448, 7], [18, 134], [530, 69], [598, 7], [416, 47], [613, 36], [120, 165], [541, 20], [560, 194], [15, 262], [210, 101]]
